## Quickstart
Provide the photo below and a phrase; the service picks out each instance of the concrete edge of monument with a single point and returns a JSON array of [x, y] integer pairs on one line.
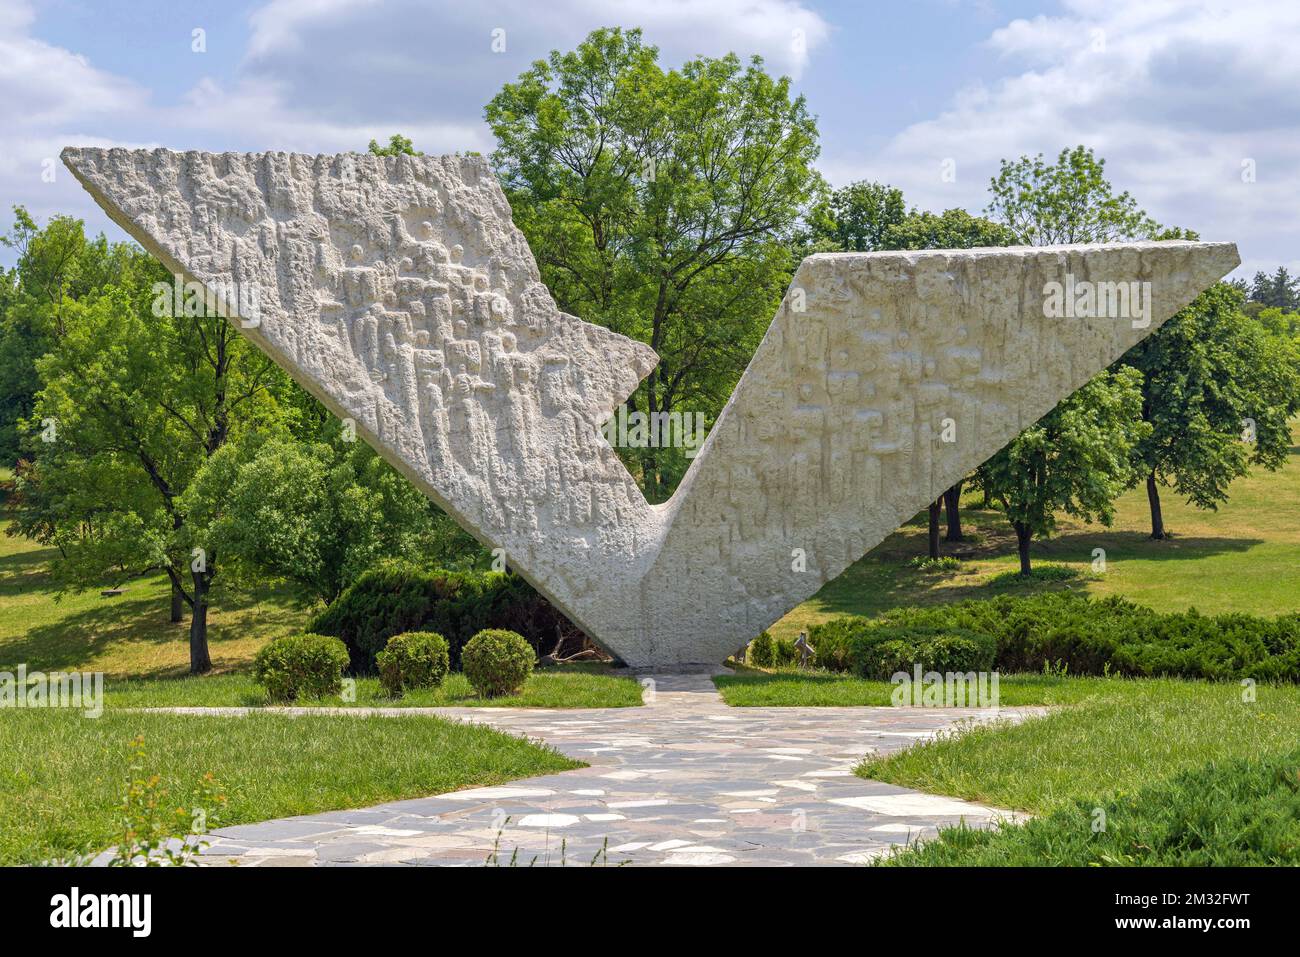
[[398, 291]]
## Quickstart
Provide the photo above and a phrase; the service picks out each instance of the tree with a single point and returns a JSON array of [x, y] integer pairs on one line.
[[1069, 201], [660, 204], [1210, 375], [398, 145], [1279, 291], [57, 267], [855, 218], [316, 514], [1076, 459], [951, 229], [133, 399]]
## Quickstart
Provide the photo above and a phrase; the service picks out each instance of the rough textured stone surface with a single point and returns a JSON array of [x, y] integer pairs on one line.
[[399, 293]]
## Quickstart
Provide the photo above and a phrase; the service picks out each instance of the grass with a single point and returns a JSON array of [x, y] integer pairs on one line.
[[563, 686], [127, 635], [61, 790], [1241, 558], [1226, 814], [145, 658], [1124, 736], [1150, 772]]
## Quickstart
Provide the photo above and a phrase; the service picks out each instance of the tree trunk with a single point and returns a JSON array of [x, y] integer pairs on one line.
[[178, 604], [1157, 518], [952, 506], [200, 662], [934, 527], [1023, 537]]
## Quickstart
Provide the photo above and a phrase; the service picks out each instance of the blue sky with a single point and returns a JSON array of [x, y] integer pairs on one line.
[[1180, 96]]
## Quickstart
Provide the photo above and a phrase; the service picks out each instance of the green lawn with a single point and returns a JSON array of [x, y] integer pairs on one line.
[[146, 658], [65, 774], [1123, 747], [1234, 813], [1118, 739], [563, 686], [130, 634], [1244, 557]]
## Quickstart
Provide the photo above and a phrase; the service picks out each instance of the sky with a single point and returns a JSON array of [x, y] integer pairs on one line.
[[1192, 103]]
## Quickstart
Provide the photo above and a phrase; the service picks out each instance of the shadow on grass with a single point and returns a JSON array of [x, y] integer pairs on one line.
[[23, 571], [140, 618], [1078, 545], [880, 581]]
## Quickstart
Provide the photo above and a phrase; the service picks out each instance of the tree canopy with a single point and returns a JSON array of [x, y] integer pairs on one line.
[[660, 203]]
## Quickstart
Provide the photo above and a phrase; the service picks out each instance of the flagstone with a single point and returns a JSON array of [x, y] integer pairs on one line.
[[690, 783]]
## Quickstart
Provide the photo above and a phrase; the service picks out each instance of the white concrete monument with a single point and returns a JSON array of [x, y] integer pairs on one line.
[[399, 293]]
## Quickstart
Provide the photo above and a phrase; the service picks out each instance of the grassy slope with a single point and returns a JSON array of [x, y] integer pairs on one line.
[[130, 639], [128, 634], [63, 797], [1244, 557]]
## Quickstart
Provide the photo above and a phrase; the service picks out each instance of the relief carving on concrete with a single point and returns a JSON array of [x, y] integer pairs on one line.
[[399, 293]]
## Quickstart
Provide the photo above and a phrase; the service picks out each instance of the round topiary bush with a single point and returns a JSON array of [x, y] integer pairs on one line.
[[415, 659], [301, 666], [497, 662]]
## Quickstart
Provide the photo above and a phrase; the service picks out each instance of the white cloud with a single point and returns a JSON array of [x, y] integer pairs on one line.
[[329, 75], [46, 92], [1175, 94]]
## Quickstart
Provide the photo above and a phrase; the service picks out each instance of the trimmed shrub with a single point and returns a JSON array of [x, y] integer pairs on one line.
[[1094, 637], [301, 666], [397, 597], [416, 659], [762, 653], [830, 642], [883, 651], [497, 662], [783, 652]]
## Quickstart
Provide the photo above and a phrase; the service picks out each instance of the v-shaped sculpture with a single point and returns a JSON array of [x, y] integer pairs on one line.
[[399, 293]]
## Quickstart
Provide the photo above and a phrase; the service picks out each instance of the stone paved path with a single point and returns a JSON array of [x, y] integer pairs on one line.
[[685, 780]]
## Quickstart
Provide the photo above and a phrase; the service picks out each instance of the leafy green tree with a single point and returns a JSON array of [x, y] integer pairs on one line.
[[1069, 201], [57, 267], [951, 229], [316, 514], [1279, 291], [661, 204], [1076, 459], [397, 146], [856, 218], [131, 404], [1279, 322], [1210, 375]]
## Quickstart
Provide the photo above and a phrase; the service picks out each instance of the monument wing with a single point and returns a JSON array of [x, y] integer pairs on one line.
[[400, 294]]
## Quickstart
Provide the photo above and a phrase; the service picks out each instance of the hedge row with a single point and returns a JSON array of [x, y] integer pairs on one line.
[[1084, 636], [399, 597]]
